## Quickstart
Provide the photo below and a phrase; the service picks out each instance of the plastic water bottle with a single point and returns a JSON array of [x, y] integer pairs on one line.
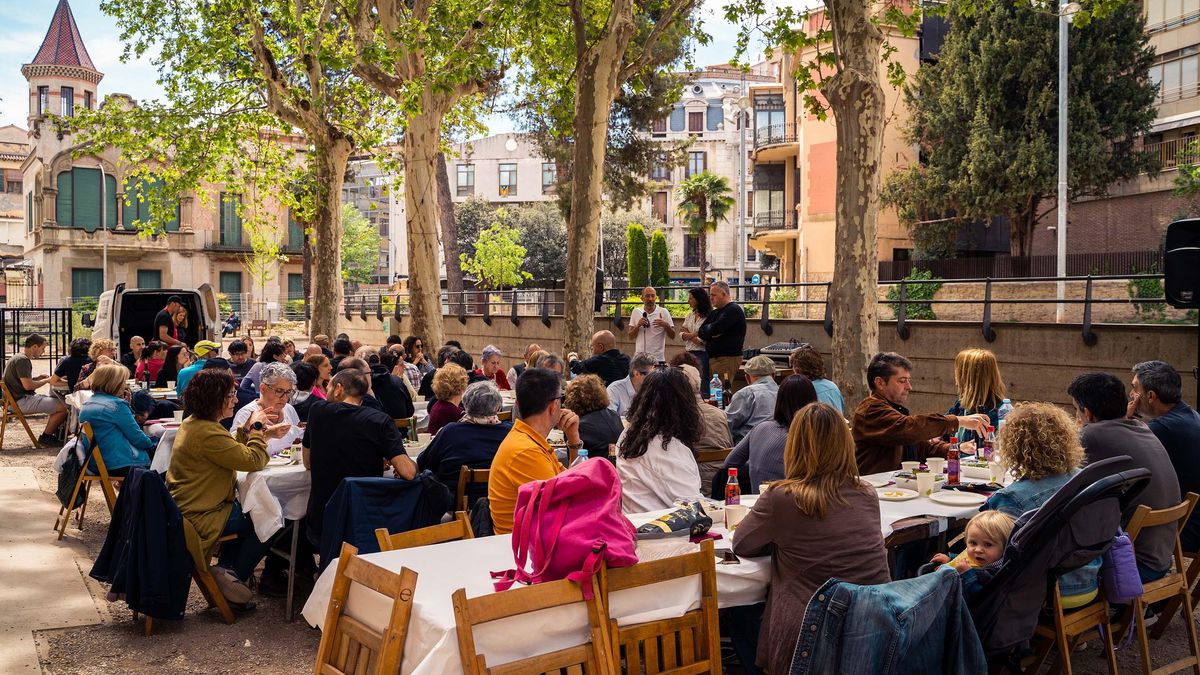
[[580, 458], [716, 390], [1005, 408]]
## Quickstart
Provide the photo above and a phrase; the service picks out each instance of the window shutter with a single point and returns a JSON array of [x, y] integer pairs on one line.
[[678, 118], [715, 113], [295, 233], [130, 213], [64, 209], [110, 197], [87, 198], [29, 212]]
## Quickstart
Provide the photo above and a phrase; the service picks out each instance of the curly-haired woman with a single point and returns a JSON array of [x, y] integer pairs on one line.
[[654, 456], [449, 385], [807, 361], [599, 427]]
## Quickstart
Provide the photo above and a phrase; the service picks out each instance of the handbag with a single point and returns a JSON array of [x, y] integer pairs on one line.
[[1119, 572], [564, 527]]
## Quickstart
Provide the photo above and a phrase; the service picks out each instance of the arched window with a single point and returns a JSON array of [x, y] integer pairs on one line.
[[137, 203], [78, 202]]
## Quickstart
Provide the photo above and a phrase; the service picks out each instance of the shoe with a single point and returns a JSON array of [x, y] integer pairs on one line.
[[241, 608], [52, 441], [234, 590]]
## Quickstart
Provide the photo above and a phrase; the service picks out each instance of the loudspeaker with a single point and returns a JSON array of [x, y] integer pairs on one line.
[[1181, 266]]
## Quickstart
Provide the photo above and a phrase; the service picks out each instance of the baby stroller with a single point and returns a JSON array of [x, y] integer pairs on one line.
[[1070, 530]]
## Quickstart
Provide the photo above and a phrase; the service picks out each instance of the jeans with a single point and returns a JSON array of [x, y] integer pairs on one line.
[[742, 624], [243, 554], [705, 376]]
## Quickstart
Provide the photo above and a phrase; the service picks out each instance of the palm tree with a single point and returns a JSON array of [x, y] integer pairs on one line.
[[704, 201]]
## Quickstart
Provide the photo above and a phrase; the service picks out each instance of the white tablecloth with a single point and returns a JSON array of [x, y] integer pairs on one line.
[[432, 646], [166, 444], [273, 495]]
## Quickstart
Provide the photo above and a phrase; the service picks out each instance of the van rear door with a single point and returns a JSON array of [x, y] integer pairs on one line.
[[208, 304], [107, 311]]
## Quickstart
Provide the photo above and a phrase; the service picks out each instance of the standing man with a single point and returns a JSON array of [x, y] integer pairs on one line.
[[18, 377], [164, 321], [650, 326], [724, 333]]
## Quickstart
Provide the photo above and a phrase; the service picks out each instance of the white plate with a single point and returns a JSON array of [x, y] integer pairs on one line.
[[955, 498], [876, 483], [896, 494]]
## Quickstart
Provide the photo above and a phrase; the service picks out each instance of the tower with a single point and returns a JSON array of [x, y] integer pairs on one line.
[[61, 76]]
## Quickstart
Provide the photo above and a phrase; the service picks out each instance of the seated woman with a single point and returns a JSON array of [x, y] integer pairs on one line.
[[654, 454], [599, 427], [178, 357], [153, 357], [122, 442], [761, 452], [101, 348], [821, 521], [980, 389], [449, 384], [324, 373], [489, 367], [202, 477], [472, 442], [1042, 451], [68, 369], [807, 361], [305, 396]]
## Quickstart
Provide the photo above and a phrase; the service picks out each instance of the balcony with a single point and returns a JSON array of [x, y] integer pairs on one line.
[[1174, 152], [773, 220], [775, 142], [213, 243]]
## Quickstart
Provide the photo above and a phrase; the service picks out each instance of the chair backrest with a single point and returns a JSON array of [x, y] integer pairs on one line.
[[405, 422], [591, 657], [691, 642], [504, 415], [351, 646], [1145, 517], [706, 456], [459, 528], [467, 476]]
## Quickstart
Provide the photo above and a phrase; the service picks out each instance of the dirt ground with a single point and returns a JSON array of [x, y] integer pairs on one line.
[[263, 642]]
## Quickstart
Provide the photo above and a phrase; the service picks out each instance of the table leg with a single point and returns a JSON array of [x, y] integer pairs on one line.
[[291, 583]]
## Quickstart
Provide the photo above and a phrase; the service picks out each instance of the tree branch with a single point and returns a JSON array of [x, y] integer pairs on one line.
[[669, 16]]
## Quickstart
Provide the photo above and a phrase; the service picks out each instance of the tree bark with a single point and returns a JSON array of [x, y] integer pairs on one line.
[[331, 158], [421, 159], [857, 101], [454, 273]]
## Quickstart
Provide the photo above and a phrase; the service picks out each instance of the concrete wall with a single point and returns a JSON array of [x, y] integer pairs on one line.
[[1038, 360]]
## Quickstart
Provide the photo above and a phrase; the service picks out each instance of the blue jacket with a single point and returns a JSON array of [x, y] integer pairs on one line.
[[122, 442], [918, 625], [184, 376], [359, 505]]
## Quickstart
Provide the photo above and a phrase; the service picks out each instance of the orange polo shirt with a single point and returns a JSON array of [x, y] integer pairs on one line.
[[523, 456]]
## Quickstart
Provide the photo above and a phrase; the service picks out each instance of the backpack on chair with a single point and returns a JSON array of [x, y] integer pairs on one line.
[[565, 526]]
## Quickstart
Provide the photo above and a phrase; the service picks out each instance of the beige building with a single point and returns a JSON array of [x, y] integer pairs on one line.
[[14, 148], [503, 169], [79, 212]]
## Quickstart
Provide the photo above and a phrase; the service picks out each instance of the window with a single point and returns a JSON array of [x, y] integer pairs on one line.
[[658, 207], [697, 163], [149, 278], [691, 250], [508, 180], [660, 170], [769, 119], [29, 212], [659, 126], [549, 178], [230, 285], [137, 205], [43, 100], [78, 201], [87, 282], [466, 179], [295, 233], [231, 220], [67, 96], [751, 254], [1164, 14], [901, 254], [750, 203], [87, 100], [695, 122], [768, 207], [295, 286], [1176, 74], [12, 181]]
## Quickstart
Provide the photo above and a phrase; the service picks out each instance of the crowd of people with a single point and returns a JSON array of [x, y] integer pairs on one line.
[[340, 401]]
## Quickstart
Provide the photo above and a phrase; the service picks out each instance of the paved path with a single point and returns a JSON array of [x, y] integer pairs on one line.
[[41, 584]]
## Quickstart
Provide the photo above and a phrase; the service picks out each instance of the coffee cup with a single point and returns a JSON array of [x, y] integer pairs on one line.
[[171, 384], [763, 487], [734, 513], [178, 414], [925, 482], [936, 465], [910, 466]]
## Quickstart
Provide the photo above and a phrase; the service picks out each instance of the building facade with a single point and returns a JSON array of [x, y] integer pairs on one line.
[[80, 213]]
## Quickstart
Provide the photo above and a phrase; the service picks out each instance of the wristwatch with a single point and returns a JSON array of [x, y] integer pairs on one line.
[[257, 426]]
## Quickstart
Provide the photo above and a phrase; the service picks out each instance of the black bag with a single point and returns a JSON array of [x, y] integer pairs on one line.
[[481, 518], [69, 477]]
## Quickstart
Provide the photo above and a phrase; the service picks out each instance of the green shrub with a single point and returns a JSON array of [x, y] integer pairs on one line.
[[635, 247], [914, 293], [1147, 288], [660, 260], [223, 305], [782, 295]]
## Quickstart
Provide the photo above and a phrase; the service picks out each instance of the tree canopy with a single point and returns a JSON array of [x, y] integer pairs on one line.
[[497, 259], [360, 246]]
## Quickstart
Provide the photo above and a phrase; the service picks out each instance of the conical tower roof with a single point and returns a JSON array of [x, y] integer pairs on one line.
[[62, 51]]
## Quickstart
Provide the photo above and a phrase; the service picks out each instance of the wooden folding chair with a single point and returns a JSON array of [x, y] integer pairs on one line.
[[84, 482], [11, 411], [468, 476], [591, 657], [1173, 587], [719, 456], [205, 582], [504, 415], [687, 644], [351, 647], [1065, 628], [459, 528], [1173, 605]]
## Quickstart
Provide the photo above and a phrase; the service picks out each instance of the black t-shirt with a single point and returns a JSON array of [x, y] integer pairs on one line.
[[163, 318], [345, 441], [391, 392], [240, 369], [69, 368]]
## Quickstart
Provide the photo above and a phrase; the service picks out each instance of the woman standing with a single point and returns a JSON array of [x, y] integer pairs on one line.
[[980, 388], [181, 325], [797, 522], [701, 305], [654, 454]]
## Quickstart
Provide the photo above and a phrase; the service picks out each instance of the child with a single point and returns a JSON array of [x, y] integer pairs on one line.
[[986, 537]]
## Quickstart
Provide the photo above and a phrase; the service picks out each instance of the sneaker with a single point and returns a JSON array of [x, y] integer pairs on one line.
[[234, 590], [52, 441], [241, 608]]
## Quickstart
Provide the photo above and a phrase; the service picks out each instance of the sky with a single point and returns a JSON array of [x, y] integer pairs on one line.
[[25, 22]]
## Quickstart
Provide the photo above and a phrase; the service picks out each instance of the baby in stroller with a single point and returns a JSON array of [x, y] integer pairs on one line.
[[986, 537]]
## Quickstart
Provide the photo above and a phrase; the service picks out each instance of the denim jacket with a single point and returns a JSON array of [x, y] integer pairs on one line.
[[122, 442], [918, 625], [1026, 495]]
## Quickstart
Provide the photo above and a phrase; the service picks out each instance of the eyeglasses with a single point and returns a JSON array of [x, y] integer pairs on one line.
[[283, 393]]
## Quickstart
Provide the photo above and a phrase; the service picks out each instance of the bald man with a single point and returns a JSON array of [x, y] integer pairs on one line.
[[606, 361], [650, 326]]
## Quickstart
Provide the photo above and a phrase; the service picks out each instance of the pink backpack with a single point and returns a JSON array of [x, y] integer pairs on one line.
[[563, 527]]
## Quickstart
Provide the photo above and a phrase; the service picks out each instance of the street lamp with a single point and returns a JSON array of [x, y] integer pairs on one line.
[[743, 104], [1066, 13]]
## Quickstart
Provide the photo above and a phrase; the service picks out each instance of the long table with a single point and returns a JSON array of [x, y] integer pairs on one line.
[[432, 647]]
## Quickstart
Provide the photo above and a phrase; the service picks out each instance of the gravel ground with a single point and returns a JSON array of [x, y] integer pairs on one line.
[[263, 642]]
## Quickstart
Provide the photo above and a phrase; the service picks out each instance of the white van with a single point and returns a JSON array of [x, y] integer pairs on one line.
[[124, 312]]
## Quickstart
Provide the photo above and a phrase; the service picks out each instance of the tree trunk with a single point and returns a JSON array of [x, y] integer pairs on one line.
[[703, 253], [1021, 226], [856, 99], [331, 160], [454, 273], [421, 159]]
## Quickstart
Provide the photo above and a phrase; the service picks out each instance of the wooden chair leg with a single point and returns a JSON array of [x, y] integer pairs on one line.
[[3, 427], [1040, 656], [212, 593], [87, 496], [1191, 630], [66, 518], [1139, 618], [29, 431]]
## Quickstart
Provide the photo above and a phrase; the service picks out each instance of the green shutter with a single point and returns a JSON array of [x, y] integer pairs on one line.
[[295, 233], [149, 279], [110, 196], [231, 221], [295, 286], [87, 198], [63, 211], [130, 210], [171, 225], [86, 282]]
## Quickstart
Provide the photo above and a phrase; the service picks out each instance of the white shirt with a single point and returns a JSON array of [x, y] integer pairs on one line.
[[274, 445], [692, 324], [620, 394], [659, 477], [652, 339]]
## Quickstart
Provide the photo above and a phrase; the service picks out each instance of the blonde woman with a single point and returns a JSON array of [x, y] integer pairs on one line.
[[820, 500], [101, 347], [121, 441], [980, 388]]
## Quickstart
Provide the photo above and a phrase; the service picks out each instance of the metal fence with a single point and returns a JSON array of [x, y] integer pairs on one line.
[[53, 323], [1004, 267]]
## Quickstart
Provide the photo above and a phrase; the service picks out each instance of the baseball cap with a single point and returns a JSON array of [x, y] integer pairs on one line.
[[760, 365], [204, 347]]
